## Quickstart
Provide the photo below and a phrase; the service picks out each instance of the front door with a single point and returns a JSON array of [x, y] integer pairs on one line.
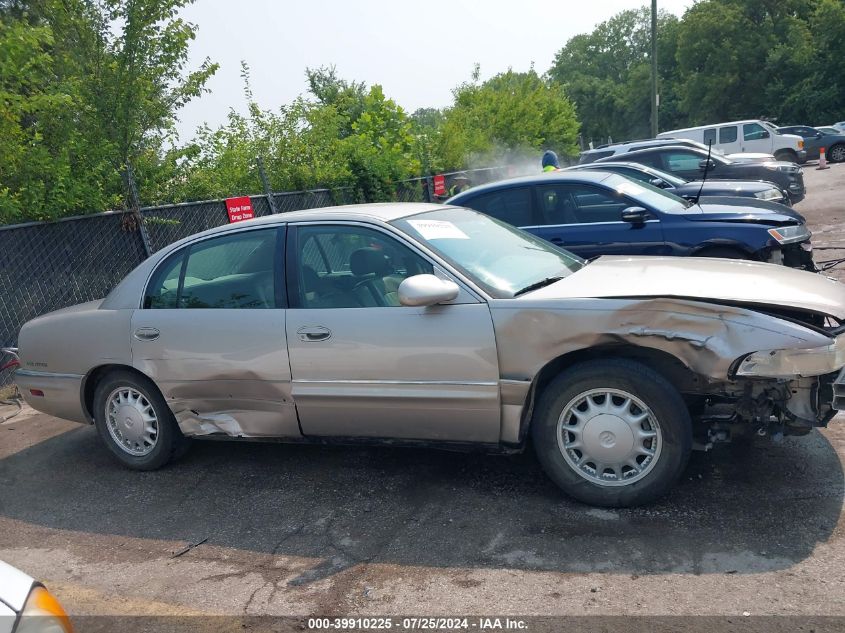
[[211, 334], [362, 364], [756, 138], [587, 220]]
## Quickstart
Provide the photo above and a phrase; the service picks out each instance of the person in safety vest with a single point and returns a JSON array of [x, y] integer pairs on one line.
[[550, 162], [459, 183]]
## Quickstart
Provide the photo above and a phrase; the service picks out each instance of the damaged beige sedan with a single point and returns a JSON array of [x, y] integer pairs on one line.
[[439, 326]]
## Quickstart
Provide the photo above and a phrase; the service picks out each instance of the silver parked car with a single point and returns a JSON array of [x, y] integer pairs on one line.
[[433, 325]]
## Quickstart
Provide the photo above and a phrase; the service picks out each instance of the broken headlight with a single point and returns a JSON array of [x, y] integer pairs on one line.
[[790, 234], [792, 363]]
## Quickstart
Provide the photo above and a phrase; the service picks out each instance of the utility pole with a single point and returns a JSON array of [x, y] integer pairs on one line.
[[654, 97]]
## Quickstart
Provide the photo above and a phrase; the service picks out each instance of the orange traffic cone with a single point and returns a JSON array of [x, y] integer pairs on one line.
[[822, 160]]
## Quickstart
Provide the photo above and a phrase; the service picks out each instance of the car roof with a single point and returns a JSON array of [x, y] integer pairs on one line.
[[643, 142], [538, 179], [612, 163], [638, 152], [380, 212]]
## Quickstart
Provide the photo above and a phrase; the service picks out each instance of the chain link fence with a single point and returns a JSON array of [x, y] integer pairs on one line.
[[48, 266]]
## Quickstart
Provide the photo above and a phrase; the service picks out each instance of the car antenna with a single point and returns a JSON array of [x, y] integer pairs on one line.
[[706, 167]]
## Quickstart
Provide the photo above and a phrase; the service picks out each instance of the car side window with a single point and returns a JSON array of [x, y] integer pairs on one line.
[[580, 204], [511, 205], [636, 174], [753, 132], [338, 266], [231, 271], [710, 136], [727, 134], [678, 161]]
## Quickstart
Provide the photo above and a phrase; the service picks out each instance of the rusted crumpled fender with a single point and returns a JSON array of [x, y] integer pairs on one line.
[[706, 338]]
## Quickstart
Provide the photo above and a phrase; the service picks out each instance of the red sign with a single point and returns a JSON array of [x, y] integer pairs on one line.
[[440, 185], [239, 209]]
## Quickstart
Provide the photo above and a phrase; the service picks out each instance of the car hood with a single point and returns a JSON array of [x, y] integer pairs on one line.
[[726, 186], [730, 209], [715, 280]]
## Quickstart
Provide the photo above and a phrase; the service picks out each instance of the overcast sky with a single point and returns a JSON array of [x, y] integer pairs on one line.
[[418, 51]]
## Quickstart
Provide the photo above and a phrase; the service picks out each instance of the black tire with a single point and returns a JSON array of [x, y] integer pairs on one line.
[[723, 252], [836, 154], [645, 384], [786, 155], [169, 442]]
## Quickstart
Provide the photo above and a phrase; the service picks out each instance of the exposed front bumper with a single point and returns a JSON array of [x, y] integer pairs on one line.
[[838, 391], [62, 393]]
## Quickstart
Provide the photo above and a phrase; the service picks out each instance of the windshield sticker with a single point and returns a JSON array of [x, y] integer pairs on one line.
[[630, 188], [438, 230]]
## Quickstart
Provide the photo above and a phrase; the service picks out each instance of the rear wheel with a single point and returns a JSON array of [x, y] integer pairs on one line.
[[836, 154], [612, 433], [135, 423]]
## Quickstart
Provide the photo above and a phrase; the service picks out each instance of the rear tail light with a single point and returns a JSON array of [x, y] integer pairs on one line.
[[36, 392]]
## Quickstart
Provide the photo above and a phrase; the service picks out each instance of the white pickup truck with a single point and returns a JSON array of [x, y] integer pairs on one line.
[[753, 135]]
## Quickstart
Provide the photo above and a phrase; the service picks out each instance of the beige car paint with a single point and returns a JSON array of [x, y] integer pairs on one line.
[[457, 372]]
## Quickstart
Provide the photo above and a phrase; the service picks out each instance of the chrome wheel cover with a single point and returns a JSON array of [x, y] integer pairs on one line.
[[609, 437], [838, 154], [132, 421]]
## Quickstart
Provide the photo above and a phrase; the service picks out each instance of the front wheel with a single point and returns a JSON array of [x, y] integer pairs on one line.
[[787, 156], [135, 423], [612, 433]]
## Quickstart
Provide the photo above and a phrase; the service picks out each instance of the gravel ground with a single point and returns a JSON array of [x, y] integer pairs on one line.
[[293, 530]]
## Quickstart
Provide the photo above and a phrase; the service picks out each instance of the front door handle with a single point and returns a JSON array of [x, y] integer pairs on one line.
[[556, 240], [313, 333], [147, 333]]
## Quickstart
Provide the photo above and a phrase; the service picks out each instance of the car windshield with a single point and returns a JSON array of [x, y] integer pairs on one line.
[[771, 127], [501, 259], [646, 194]]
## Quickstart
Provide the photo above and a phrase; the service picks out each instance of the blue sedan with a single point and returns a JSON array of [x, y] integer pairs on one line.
[[601, 213]]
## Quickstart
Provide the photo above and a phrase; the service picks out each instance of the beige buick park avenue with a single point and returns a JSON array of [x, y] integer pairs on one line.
[[439, 326]]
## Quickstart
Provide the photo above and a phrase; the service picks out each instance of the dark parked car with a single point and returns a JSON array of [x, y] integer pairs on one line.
[[689, 163], [690, 190], [600, 213], [815, 139]]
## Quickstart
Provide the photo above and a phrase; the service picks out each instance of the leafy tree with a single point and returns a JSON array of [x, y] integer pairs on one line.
[[89, 86], [348, 136], [510, 112], [607, 73]]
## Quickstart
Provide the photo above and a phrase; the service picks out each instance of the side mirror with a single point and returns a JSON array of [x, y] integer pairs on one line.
[[819, 134], [703, 165], [764, 134], [634, 215], [426, 290], [659, 182]]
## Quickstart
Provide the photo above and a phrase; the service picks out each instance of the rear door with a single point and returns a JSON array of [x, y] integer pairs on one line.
[[211, 334], [587, 220]]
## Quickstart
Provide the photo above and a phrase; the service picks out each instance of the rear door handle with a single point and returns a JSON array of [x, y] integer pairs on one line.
[[313, 333], [147, 333]]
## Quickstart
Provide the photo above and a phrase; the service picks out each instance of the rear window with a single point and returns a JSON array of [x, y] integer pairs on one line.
[[727, 134], [589, 157], [710, 136], [508, 205]]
